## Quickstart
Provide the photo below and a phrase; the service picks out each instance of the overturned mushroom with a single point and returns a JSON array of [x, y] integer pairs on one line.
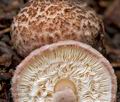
[[43, 22], [48, 73]]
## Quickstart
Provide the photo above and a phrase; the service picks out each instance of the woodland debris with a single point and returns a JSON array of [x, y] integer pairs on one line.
[[113, 13], [7, 55], [6, 30], [5, 75]]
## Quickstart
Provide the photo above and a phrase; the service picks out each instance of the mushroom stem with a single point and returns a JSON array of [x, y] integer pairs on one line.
[[66, 95]]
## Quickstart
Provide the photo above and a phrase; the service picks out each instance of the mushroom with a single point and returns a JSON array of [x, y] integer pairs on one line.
[[43, 22], [66, 71]]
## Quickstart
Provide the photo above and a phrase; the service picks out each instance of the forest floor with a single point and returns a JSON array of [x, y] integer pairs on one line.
[[109, 10]]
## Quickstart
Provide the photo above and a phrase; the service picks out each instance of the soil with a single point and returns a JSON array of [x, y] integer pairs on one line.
[[9, 59]]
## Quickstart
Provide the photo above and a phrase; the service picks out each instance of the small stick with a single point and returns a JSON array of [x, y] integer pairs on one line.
[[4, 31], [116, 64]]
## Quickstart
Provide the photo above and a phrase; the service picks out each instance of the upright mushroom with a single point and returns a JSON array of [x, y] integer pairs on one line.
[[66, 69], [43, 22]]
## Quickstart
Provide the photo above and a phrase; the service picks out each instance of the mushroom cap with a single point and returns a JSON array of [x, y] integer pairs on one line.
[[37, 75], [43, 22]]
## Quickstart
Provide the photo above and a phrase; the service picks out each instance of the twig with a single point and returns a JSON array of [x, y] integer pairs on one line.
[[116, 64], [4, 31], [111, 50]]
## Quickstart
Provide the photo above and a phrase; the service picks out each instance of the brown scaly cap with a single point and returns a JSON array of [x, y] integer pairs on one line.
[[37, 77], [43, 22]]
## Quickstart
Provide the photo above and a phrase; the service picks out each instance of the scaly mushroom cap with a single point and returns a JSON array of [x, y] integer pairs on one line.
[[43, 22], [66, 64]]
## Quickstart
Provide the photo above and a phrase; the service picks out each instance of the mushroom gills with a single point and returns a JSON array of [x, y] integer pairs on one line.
[[67, 63]]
